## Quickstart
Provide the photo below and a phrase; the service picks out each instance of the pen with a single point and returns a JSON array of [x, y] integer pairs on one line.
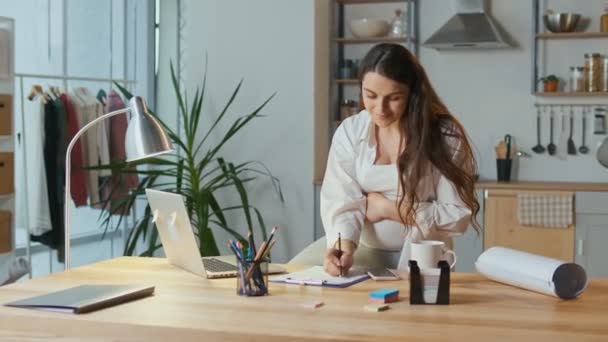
[[340, 252], [251, 252]]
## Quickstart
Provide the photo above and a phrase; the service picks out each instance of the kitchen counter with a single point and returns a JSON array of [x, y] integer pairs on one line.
[[541, 185]]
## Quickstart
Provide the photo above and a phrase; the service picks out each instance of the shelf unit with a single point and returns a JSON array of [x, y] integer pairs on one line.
[[7, 147], [339, 41], [572, 94], [549, 36]]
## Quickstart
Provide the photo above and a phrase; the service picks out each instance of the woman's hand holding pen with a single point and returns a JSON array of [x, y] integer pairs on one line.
[[333, 260]]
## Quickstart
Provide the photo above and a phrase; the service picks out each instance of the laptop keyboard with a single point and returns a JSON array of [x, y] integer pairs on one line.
[[215, 265]]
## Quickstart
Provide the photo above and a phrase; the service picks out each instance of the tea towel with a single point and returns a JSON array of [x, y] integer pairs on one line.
[[545, 210]]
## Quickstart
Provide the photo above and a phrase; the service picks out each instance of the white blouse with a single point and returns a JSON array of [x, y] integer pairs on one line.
[[351, 173]]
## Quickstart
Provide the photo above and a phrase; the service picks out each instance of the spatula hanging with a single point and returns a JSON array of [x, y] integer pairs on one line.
[[562, 146], [571, 146]]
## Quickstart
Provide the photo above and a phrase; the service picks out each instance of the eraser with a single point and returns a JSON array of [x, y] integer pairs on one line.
[[383, 293], [313, 304], [376, 307]]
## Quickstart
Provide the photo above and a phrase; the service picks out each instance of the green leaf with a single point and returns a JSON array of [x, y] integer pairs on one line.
[[219, 118]]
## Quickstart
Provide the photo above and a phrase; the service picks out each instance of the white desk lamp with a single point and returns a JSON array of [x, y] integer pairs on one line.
[[145, 138]]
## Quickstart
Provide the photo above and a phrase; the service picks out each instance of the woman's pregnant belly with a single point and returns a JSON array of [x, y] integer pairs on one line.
[[386, 235]]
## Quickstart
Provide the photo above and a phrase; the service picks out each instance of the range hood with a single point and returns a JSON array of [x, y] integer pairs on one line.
[[470, 27]]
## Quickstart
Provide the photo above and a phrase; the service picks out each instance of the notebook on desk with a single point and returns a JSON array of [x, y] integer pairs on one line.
[[317, 276], [85, 298]]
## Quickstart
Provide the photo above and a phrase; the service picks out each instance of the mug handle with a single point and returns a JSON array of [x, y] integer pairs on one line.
[[451, 252]]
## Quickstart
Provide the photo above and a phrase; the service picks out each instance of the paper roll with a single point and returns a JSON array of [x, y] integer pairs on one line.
[[533, 272]]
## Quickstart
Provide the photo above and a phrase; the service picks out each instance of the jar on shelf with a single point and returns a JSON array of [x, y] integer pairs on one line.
[[399, 24], [604, 19], [594, 81], [346, 69], [348, 108], [605, 74], [577, 80]]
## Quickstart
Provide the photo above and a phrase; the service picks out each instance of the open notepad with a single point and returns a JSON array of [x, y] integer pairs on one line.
[[316, 276]]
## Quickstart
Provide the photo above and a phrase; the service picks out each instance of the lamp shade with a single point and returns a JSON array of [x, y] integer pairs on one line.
[[145, 137]]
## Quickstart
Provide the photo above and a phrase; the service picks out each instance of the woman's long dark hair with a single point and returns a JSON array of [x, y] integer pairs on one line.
[[431, 134]]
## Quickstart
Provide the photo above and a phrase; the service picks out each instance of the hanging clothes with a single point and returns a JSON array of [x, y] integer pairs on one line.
[[97, 151], [78, 190], [37, 213], [121, 182], [55, 125], [103, 144]]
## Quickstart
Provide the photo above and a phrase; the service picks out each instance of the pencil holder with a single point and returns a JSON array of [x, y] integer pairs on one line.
[[430, 286], [252, 277]]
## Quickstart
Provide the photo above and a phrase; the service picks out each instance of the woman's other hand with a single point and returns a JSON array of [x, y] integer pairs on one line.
[[334, 259], [378, 207]]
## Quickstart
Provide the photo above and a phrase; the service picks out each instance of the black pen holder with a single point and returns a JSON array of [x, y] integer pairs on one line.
[[503, 170], [252, 277], [425, 286]]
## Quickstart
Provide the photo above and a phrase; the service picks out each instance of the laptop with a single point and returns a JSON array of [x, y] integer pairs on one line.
[[179, 243]]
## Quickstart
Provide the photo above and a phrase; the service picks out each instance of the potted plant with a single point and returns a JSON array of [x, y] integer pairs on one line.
[[550, 83], [198, 172]]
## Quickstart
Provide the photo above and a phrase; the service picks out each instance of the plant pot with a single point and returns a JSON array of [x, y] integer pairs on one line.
[[550, 87]]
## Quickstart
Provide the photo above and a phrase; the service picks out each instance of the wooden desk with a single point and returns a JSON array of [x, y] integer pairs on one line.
[[186, 307]]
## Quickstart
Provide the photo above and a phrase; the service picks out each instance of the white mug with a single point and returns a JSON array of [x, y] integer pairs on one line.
[[428, 253]]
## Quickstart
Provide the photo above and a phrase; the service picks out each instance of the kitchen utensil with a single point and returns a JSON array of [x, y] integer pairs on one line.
[[551, 147], [583, 149], [571, 146], [561, 22], [602, 152], [538, 148], [508, 142], [562, 145], [501, 150]]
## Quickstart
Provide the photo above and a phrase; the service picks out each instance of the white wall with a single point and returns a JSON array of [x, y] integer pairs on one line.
[[270, 44]]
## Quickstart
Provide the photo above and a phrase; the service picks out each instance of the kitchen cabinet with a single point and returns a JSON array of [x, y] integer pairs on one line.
[[502, 228], [469, 246], [592, 232], [584, 243]]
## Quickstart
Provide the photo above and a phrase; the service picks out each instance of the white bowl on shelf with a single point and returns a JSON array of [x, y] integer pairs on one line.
[[368, 27]]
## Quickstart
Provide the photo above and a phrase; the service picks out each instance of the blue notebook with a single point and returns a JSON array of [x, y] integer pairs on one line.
[[316, 276]]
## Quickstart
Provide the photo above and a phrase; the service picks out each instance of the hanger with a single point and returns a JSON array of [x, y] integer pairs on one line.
[[56, 91], [102, 96], [35, 91]]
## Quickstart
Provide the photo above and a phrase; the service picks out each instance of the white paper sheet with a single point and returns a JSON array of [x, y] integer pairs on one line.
[[316, 276], [533, 272]]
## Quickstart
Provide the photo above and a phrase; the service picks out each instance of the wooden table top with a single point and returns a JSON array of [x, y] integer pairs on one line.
[[187, 307]]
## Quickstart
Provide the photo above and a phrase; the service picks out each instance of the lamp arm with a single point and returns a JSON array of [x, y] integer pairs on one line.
[[68, 167]]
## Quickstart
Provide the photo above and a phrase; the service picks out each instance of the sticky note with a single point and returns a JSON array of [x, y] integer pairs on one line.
[[390, 299], [376, 307], [383, 293]]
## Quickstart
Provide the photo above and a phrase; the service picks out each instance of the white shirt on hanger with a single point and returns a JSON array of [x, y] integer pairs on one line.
[[351, 173], [38, 212]]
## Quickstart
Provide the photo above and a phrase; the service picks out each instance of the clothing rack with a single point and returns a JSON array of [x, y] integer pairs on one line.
[[128, 85]]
